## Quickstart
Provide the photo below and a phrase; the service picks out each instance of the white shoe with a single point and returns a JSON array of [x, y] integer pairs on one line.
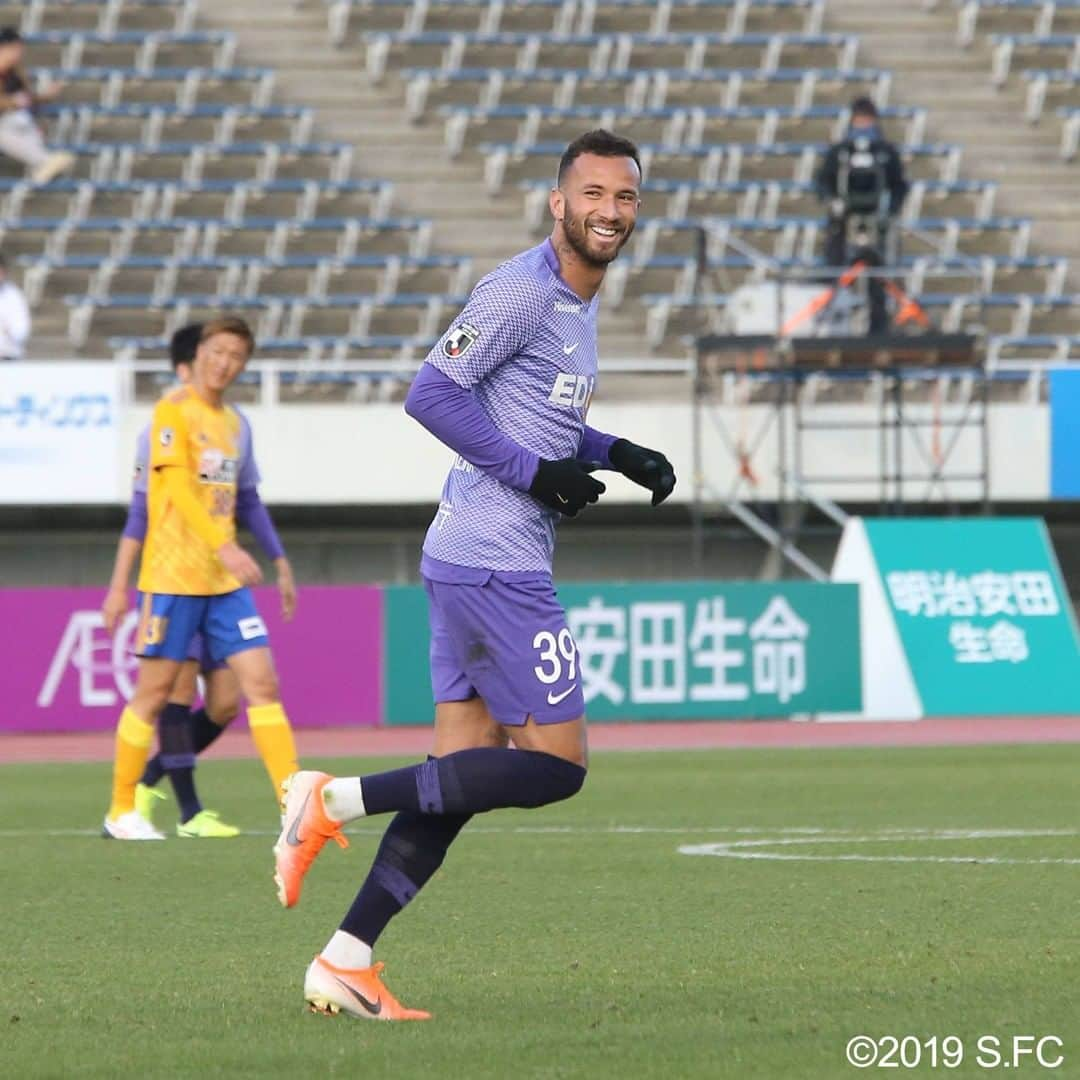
[[55, 164], [130, 826]]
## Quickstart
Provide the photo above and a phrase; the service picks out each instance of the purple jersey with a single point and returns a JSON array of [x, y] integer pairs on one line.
[[525, 345], [248, 472]]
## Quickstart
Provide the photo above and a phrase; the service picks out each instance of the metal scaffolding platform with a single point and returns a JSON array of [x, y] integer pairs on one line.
[[900, 404]]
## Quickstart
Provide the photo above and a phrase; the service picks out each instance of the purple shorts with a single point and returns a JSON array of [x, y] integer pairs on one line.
[[508, 643], [200, 651]]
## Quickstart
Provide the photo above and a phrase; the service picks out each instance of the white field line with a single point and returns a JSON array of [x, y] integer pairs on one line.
[[752, 849], [498, 830], [747, 843]]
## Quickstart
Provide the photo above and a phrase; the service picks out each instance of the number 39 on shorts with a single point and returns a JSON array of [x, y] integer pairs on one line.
[[553, 652]]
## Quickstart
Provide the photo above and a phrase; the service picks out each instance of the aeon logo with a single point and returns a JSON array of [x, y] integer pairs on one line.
[[105, 668]]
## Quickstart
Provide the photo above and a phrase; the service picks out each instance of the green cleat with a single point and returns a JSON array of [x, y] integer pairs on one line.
[[146, 799], [206, 825]]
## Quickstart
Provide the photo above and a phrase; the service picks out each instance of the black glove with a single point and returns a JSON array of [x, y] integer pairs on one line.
[[646, 467], [565, 486]]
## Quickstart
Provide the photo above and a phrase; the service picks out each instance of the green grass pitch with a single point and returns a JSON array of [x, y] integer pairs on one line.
[[575, 941]]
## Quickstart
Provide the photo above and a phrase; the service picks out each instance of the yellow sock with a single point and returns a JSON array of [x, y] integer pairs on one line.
[[273, 738], [134, 737]]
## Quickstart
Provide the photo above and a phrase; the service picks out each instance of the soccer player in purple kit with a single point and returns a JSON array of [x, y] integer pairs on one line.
[[507, 387]]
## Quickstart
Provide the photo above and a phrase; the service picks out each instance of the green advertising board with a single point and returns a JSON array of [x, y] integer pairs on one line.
[[982, 614], [673, 651]]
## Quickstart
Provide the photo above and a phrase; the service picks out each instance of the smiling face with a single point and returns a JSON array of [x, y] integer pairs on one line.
[[595, 206], [219, 360]]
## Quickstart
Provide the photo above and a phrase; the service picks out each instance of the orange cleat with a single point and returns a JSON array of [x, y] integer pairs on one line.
[[360, 992], [305, 828]]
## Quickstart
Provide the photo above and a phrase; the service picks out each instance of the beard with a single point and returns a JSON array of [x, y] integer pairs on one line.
[[576, 230]]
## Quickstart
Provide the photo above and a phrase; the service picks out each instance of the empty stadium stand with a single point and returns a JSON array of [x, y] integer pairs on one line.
[[343, 170]]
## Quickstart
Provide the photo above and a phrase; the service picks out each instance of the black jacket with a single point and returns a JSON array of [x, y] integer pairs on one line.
[[867, 165]]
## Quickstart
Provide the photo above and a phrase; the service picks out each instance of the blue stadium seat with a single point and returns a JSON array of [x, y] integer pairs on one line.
[[131, 48], [271, 237], [729, 161], [396, 347], [1038, 18], [354, 316], [1070, 132], [1036, 348], [1063, 86], [729, 16], [690, 126], [105, 16], [189, 161], [79, 123], [488, 87], [567, 16], [109, 86], [300, 275], [769, 199], [297, 199], [610, 52], [555, 16], [1051, 50]]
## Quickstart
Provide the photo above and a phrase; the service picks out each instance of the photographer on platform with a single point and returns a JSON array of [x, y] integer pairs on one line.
[[862, 183]]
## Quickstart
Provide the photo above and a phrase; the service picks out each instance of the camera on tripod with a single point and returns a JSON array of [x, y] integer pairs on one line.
[[863, 200]]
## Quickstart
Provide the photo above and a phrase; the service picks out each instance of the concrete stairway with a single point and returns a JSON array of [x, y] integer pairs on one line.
[[932, 70]]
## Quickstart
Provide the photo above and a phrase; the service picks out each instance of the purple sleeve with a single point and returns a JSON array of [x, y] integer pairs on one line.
[[454, 416], [135, 526], [251, 512], [248, 473], [596, 447]]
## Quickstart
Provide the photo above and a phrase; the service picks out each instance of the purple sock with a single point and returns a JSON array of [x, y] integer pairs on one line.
[[412, 849], [203, 730], [178, 757], [473, 781], [153, 772]]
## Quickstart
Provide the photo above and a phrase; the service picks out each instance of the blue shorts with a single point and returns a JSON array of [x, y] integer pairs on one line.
[[508, 642], [228, 624]]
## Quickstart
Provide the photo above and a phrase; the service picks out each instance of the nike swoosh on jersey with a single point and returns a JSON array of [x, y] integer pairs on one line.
[[568, 349], [554, 699], [372, 1007], [291, 836]]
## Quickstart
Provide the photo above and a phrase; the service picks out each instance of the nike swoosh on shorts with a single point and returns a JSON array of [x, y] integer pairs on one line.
[[554, 699]]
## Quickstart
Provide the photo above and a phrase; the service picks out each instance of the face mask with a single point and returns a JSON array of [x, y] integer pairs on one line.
[[872, 133]]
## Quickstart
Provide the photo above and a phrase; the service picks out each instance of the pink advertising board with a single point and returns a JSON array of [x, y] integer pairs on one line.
[[60, 671]]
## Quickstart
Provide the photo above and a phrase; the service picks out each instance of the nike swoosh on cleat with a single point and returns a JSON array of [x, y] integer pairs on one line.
[[291, 836], [565, 502], [568, 349], [373, 1008], [554, 699]]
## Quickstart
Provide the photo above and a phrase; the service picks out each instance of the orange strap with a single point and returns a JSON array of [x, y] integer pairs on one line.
[[822, 300]]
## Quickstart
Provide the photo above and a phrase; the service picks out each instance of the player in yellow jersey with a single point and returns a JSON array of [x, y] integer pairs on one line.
[[184, 733], [194, 577]]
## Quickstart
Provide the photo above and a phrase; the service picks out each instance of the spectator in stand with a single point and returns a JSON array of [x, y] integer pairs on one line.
[[20, 136], [14, 317]]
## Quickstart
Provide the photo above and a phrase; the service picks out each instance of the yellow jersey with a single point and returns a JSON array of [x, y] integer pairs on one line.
[[189, 434]]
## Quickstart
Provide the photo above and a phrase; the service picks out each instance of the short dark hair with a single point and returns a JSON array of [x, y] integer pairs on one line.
[[183, 344], [600, 142], [229, 324], [8, 34], [864, 106]]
